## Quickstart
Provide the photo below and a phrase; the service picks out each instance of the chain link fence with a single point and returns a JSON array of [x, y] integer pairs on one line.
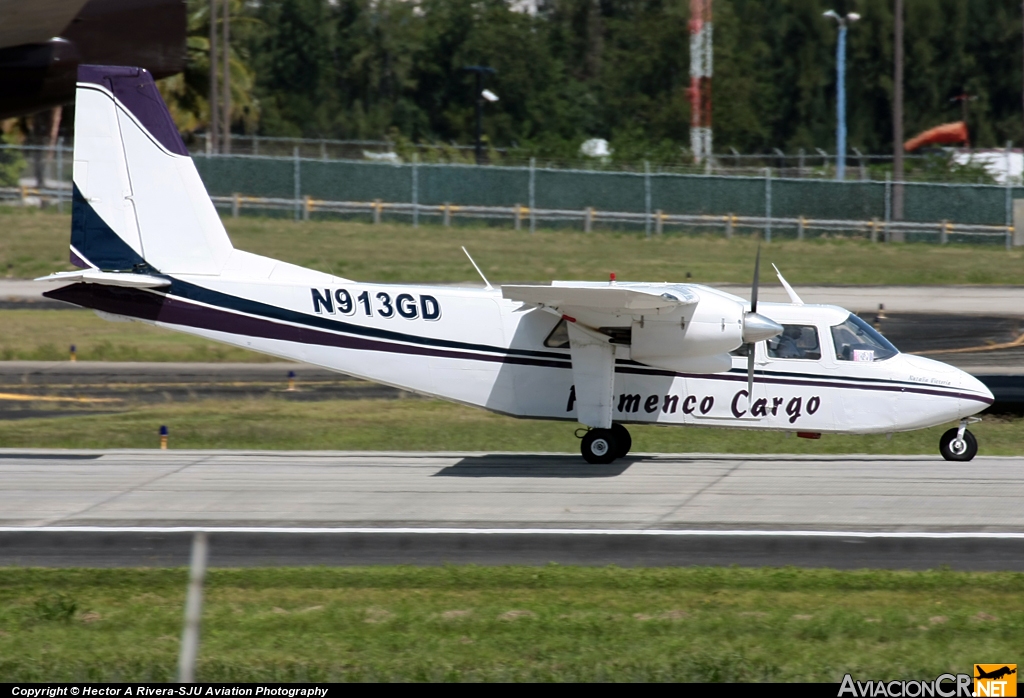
[[648, 200]]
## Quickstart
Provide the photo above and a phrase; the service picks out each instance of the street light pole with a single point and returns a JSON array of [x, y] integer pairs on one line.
[[897, 118], [841, 104], [211, 131], [481, 95], [479, 117], [841, 90]]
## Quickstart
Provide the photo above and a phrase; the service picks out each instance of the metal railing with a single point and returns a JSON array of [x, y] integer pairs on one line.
[[654, 223]]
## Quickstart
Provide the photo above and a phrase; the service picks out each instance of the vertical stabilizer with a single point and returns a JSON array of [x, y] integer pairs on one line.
[[138, 199]]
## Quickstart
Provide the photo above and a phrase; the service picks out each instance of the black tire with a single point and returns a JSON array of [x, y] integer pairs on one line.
[[599, 446], [623, 441], [958, 452]]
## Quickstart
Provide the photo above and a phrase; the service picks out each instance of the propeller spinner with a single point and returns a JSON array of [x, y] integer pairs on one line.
[[756, 327]]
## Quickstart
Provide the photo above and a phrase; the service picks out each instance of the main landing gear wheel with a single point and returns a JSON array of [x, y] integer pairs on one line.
[[599, 446], [956, 449], [623, 440]]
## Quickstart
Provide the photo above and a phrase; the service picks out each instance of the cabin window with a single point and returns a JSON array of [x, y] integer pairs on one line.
[[856, 340], [559, 337], [795, 342]]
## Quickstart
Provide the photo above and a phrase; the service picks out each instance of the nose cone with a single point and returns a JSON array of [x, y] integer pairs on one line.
[[974, 395], [757, 328]]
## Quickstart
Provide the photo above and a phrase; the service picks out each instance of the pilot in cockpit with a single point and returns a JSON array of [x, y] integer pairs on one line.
[[795, 342], [787, 347]]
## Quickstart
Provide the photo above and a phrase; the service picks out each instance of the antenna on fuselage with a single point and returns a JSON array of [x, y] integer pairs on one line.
[[486, 282], [793, 298]]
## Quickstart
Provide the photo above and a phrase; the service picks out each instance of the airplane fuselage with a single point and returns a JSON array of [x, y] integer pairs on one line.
[[472, 346]]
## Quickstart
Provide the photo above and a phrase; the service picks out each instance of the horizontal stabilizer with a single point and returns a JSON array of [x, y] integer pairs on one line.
[[601, 298], [106, 278]]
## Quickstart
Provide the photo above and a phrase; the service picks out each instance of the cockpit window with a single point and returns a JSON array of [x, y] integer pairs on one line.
[[795, 342], [856, 340]]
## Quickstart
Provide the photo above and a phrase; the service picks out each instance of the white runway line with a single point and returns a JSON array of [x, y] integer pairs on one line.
[[909, 535]]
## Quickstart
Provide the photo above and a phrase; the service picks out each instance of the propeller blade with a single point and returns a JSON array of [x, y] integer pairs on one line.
[[757, 278], [750, 376]]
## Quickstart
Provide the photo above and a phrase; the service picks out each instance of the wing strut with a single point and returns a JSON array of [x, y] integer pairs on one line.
[[593, 372]]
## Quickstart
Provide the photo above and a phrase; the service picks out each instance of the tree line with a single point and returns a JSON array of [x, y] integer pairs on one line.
[[614, 69]]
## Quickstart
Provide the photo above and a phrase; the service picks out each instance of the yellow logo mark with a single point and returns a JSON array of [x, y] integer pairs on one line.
[[995, 680]]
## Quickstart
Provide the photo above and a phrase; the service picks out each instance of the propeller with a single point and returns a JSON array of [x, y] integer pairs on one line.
[[756, 327]]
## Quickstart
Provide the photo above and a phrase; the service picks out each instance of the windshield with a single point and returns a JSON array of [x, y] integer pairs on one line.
[[856, 340]]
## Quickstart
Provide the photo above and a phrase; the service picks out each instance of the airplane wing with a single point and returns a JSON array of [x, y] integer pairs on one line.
[[593, 355], [604, 298], [35, 21]]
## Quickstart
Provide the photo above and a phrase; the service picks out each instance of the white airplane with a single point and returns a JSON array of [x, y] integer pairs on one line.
[[151, 247]]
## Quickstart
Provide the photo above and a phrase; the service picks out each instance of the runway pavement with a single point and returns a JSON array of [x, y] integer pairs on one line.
[[956, 300], [967, 300], [63, 508]]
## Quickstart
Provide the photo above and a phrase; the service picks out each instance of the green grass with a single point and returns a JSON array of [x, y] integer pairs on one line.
[[35, 242], [47, 335], [431, 425], [548, 623]]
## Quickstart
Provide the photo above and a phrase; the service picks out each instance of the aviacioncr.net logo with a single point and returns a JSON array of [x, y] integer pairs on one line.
[[995, 680], [945, 686]]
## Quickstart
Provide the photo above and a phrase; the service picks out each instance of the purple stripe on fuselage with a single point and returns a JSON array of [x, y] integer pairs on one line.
[[824, 383], [158, 307], [135, 89]]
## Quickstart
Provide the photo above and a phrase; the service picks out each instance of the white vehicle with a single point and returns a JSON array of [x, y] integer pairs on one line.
[[151, 247]]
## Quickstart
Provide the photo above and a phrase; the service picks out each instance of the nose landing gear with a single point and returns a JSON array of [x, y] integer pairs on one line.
[[958, 444], [602, 446]]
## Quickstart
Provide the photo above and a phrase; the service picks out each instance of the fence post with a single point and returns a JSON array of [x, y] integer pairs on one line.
[[447, 214], [415, 190], [236, 204], [588, 219], [800, 228], [860, 162], [767, 204], [874, 230], [944, 234], [659, 222], [729, 220], [647, 198], [378, 206], [888, 206], [193, 611], [533, 192], [307, 206], [60, 175], [296, 180], [519, 217], [1009, 186]]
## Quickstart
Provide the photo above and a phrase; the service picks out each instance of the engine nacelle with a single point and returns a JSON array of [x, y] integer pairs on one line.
[[698, 340]]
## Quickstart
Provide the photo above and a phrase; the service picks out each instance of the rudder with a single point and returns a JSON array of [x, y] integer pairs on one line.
[[138, 199]]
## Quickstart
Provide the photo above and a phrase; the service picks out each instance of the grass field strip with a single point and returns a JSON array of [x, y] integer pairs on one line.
[[692, 533]]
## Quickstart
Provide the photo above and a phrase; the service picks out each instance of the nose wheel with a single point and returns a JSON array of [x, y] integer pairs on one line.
[[601, 446], [958, 444]]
